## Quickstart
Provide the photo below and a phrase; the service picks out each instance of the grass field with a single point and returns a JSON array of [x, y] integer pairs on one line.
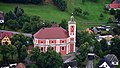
[[51, 13]]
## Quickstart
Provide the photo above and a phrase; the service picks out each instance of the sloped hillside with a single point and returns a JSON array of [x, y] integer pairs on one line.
[[52, 13]]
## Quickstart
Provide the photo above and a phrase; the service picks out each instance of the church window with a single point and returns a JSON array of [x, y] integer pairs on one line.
[[62, 41], [52, 41], [62, 48], [41, 41], [41, 48]]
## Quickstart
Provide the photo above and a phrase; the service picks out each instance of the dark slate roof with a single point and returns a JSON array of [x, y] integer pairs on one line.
[[118, 1], [71, 64], [95, 29], [102, 61], [111, 57]]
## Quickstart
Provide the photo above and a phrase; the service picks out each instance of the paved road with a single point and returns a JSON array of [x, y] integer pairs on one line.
[[26, 34]]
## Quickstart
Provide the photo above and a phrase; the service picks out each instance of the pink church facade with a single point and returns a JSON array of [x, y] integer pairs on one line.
[[61, 40]]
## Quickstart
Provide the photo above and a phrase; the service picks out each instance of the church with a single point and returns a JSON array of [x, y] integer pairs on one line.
[[62, 41]]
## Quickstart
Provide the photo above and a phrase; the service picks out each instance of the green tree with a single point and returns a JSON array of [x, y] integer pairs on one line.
[[22, 19], [104, 45], [61, 4], [101, 16], [23, 52], [77, 11], [83, 37], [53, 59], [64, 24], [12, 51], [32, 66], [18, 45], [26, 27], [112, 12], [12, 24], [36, 1], [93, 0], [20, 38], [115, 47], [97, 48], [83, 1], [110, 20], [4, 51], [83, 51], [35, 55], [12, 15], [116, 30], [85, 13], [18, 11], [36, 23]]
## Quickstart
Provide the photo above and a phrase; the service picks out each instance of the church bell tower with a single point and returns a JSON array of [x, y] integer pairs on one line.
[[72, 33]]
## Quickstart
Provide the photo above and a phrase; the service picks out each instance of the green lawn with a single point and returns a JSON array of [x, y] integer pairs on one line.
[[51, 13]]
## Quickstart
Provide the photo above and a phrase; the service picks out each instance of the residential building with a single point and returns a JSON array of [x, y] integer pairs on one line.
[[103, 63], [115, 4], [107, 37], [1, 17], [103, 32], [5, 38], [21, 65], [108, 61], [72, 64], [112, 59], [61, 40]]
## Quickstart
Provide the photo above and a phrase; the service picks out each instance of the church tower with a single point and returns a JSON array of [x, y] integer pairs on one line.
[[72, 33]]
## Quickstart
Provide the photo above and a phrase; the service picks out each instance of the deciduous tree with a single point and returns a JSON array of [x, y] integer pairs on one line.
[[23, 53], [35, 55], [12, 51], [83, 51], [115, 47], [53, 59], [4, 51], [64, 24]]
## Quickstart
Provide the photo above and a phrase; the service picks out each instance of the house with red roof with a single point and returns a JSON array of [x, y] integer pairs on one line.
[[61, 40], [20, 65], [1, 17], [115, 4], [5, 38]]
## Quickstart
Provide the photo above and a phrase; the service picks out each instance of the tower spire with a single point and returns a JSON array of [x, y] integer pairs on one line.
[[72, 17]]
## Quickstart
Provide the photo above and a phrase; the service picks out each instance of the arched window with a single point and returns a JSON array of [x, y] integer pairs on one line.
[[72, 28]]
